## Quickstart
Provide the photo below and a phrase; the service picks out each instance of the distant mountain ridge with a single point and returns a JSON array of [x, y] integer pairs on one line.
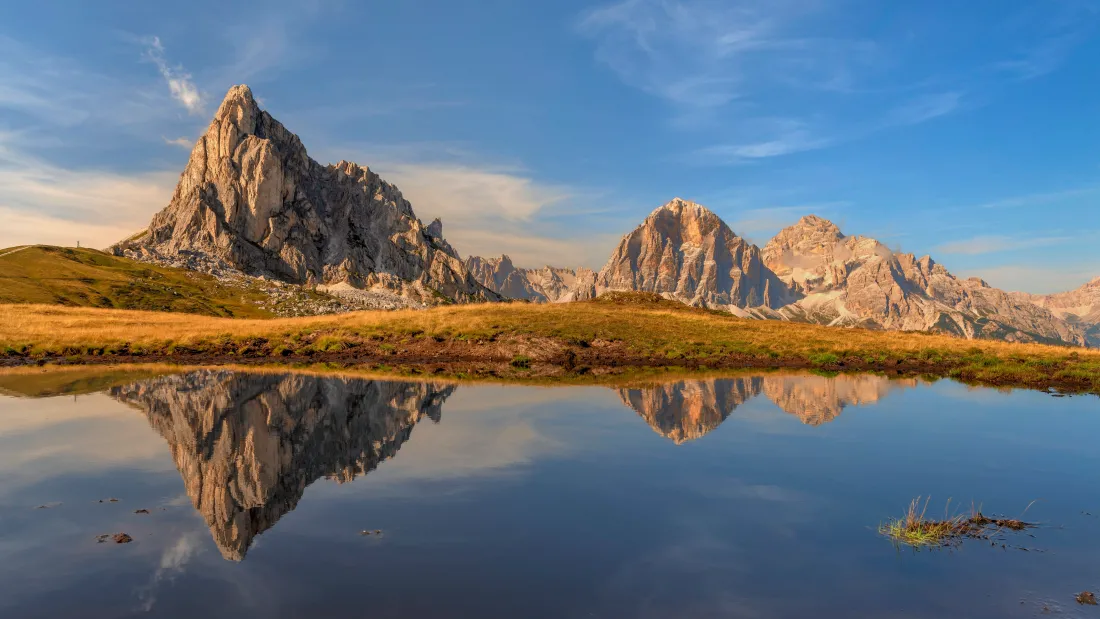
[[812, 272], [858, 281], [548, 284], [687, 410], [1079, 307]]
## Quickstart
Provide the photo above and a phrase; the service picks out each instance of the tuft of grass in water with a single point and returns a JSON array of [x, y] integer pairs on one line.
[[917, 530]]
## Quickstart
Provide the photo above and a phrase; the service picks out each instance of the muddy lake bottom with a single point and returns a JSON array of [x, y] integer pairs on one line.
[[274, 494]]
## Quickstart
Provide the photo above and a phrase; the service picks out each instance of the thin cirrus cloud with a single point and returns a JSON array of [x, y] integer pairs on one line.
[[705, 54], [45, 203], [1036, 279], [182, 142], [719, 63], [924, 108], [790, 136], [1067, 25], [180, 84], [785, 137], [1037, 199], [991, 244], [495, 211]]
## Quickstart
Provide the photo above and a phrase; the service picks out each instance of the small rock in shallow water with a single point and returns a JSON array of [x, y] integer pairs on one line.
[[122, 538], [1086, 597], [141, 511]]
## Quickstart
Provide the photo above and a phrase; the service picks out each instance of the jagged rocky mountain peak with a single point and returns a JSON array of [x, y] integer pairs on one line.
[[684, 220], [252, 198], [686, 252]]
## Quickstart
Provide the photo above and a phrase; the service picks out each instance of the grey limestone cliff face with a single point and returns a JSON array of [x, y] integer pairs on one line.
[[685, 252], [858, 281], [548, 284], [252, 197], [1080, 307], [247, 445]]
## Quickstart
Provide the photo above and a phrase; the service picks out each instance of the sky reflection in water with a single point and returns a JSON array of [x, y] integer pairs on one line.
[[743, 497]]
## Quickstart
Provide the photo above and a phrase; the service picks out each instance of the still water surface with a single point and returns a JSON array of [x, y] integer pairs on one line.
[[745, 497]]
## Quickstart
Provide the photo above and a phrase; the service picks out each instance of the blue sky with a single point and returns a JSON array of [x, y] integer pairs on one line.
[[967, 130]]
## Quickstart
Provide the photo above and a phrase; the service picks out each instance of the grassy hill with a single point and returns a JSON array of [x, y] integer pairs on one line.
[[91, 278], [625, 330]]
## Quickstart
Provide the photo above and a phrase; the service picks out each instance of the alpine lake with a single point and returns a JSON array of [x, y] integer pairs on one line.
[[222, 493]]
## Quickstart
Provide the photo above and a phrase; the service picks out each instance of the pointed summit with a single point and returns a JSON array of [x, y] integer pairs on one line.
[[239, 92], [238, 100], [679, 204], [813, 222], [686, 252], [252, 197], [691, 409]]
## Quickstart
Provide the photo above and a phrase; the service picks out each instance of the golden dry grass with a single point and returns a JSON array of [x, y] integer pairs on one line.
[[82, 277], [917, 530], [656, 332]]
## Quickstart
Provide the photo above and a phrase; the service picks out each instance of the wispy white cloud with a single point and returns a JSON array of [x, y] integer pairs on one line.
[[44, 203], [182, 142], [924, 108], [180, 84], [720, 63], [701, 53], [1036, 279], [785, 137], [991, 244], [531, 248], [173, 562], [1062, 26], [488, 210], [458, 192], [1042, 198]]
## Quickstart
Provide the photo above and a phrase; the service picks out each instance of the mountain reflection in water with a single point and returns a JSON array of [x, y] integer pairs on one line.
[[248, 444], [689, 409]]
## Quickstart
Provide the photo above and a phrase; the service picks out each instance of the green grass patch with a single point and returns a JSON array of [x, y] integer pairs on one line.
[[824, 358], [916, 529]]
